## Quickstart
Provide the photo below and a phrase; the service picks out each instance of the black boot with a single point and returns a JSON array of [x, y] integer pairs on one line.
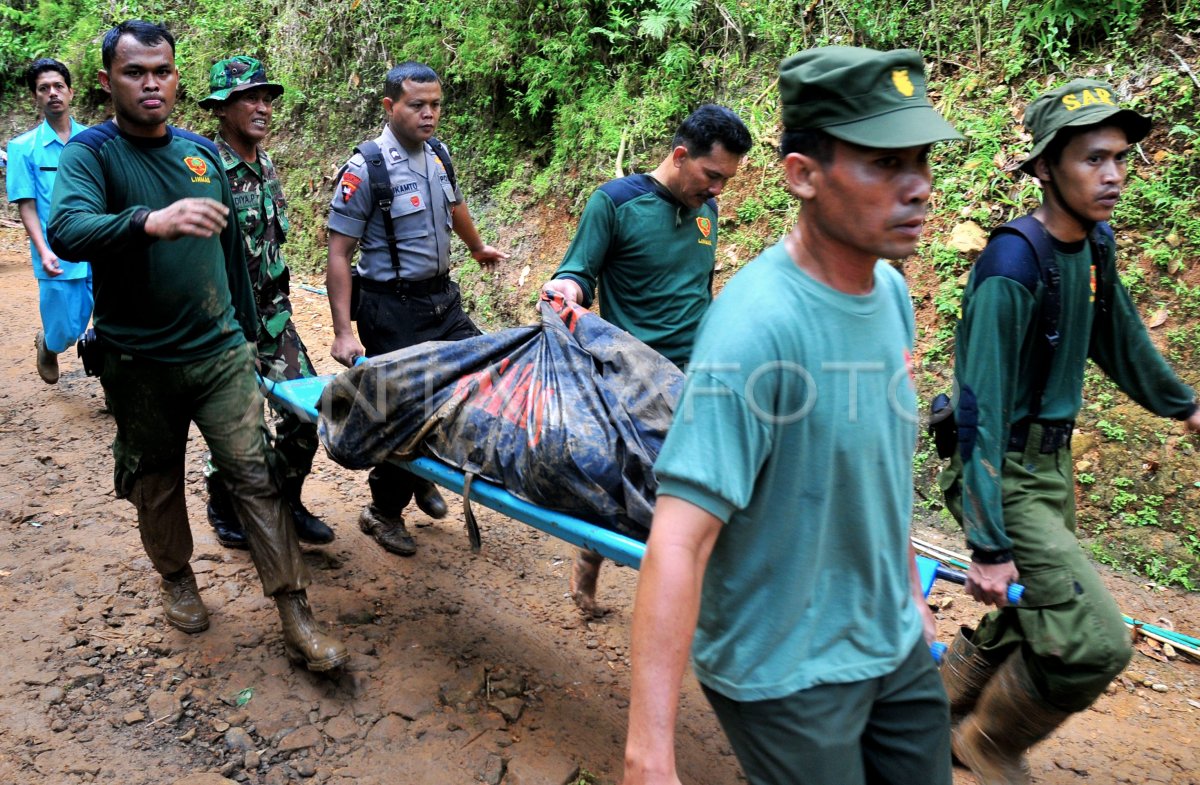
[[222, 517], [309, 528], [429, 500]]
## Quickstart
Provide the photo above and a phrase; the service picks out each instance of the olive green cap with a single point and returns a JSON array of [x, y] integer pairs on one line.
[[233, 75], [862, 96], [1078, 103]]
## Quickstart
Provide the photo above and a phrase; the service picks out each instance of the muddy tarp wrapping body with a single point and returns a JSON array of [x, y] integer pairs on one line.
[[569, 414]]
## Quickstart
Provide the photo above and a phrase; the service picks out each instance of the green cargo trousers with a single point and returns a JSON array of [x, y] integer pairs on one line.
[[1067, 626], [153, 404]]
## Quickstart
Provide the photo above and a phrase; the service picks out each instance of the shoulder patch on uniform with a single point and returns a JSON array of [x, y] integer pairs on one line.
[[349, 184]]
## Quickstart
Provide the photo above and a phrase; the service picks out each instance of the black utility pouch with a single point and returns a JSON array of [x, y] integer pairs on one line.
[[942, 426], [91, 352]]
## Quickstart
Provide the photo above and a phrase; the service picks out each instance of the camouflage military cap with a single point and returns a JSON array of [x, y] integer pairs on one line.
[[233, 75], [1082, 102], [862, 96]]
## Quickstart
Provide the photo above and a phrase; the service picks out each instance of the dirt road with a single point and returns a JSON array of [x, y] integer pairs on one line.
[[466, 668]]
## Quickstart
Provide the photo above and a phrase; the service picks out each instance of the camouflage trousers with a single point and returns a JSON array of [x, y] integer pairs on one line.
[[283, 358]]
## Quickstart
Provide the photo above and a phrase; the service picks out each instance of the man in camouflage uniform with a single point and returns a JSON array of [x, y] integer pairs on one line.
[[241, 97]]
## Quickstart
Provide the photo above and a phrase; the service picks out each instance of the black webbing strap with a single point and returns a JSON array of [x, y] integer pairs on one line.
[[1102, 242], [381, 194], [1034, 233], [443, 155]]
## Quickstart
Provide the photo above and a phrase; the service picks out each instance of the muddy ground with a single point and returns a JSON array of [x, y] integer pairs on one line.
[[466, 667]]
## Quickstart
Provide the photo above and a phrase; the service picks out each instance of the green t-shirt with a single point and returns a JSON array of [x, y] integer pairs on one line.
[[652, 258], [172, 301], [796, 428], [997, 345]]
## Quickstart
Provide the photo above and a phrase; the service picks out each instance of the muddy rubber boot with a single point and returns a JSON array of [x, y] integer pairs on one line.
[[429, 500], [388, 530], [964, 673], [309, 528], [303, 639], [1009, 718], [47, 361], [181, 603], [222, 517]]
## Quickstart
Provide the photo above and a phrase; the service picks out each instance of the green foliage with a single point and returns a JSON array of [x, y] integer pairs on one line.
[[1111, 431], [1056, 26]]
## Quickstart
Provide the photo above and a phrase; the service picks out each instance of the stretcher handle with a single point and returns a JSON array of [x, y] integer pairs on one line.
[[1015, 590]]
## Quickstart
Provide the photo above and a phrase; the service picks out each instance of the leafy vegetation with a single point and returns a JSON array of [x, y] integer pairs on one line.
[[544, 97]]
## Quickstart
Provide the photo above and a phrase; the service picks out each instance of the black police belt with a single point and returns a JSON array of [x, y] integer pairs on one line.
[[1055, 435], [435, 285]]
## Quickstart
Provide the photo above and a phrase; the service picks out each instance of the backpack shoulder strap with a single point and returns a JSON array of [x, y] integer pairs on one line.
[[443, 155], [1104, 243], [381, 195], [1042, 244]]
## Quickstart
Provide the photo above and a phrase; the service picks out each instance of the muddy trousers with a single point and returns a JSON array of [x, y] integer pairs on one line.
[[1067, 627], [388, 321], [284, 358], [890, 730], [153, 404]]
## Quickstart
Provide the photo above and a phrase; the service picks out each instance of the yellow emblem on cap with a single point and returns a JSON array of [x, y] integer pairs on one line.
[[902, 82]]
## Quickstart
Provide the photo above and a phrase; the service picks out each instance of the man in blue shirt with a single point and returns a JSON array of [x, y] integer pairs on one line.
[[65, 288]]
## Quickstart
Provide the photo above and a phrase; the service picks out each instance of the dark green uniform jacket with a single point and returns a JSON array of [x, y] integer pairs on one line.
[[996, 359], [172, 301]]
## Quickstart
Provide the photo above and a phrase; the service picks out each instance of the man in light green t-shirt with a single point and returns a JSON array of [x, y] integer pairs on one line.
[[779, 545]]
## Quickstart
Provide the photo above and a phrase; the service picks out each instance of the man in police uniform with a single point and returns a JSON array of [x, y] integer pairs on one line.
[[242, 99], [649, 241], [1025, 669], [406, 297], [64, 288]]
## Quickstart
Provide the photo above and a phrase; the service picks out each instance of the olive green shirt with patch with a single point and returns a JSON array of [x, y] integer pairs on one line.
[[174, 301], [996, 357]]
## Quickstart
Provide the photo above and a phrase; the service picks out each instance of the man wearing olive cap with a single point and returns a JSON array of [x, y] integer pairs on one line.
[[808, 629], [242, 99], [1025, 669]]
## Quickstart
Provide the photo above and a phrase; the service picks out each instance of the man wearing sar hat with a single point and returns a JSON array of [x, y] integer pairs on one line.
[[808, 631], [1042, 299], [242, 99]]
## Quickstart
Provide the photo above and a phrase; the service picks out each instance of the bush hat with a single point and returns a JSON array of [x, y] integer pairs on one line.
[[233, 75], [1078, 103], [863, 96]]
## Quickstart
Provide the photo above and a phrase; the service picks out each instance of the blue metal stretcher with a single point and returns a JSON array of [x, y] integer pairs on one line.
[[303, 395]]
